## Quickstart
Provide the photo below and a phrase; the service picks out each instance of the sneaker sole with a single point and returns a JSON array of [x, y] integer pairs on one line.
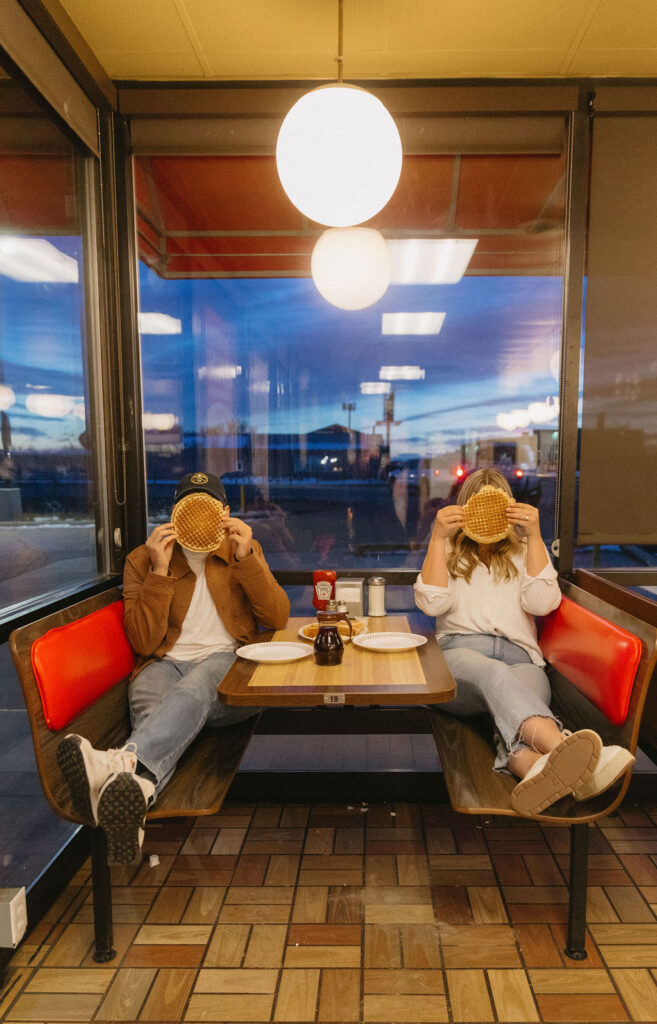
[[601, 781], [121, 813], [71, 763], [571, 763]]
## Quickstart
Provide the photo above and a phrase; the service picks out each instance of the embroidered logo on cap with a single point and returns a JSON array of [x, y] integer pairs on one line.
[[199, 478]]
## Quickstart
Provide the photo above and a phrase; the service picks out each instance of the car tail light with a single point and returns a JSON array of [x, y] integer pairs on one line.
[[436, 472], [460, 472], [519, 473]]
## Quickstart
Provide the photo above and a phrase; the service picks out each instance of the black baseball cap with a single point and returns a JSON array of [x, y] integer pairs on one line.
[[206, 482]]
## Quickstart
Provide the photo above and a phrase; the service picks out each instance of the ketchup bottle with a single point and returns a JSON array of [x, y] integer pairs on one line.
[[323, 587]]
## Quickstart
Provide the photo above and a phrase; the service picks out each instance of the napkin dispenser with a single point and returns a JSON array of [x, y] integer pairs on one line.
[[351, 592]]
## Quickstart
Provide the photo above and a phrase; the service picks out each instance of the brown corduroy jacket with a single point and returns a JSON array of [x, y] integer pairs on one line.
[[245, 595]]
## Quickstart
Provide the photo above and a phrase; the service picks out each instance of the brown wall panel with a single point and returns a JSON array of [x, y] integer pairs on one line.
[[618, 467]]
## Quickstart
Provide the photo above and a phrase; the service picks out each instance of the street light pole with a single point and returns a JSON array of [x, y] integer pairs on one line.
[[349, 407]]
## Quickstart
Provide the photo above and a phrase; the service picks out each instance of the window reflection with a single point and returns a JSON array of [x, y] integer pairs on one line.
[[339, 434], [47, 490]]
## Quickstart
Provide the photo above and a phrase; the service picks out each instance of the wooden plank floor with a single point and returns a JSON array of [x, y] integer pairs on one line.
[[353, 914]]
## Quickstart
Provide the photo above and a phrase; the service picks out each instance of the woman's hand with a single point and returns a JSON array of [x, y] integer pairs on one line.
[[448, 519], [525, 517], [239, 534], [160, 548]]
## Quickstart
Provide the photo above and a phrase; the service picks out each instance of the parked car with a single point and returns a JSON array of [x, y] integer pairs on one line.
[[422, 480], [423, 484]]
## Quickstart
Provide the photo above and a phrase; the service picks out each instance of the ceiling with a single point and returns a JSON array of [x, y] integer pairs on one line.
[[215, 40]]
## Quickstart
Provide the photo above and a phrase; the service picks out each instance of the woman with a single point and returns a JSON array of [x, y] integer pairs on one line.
[[485, 597]]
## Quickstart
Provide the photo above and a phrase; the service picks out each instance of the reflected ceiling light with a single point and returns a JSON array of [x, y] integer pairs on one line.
[[430, 260], [374, 387], [536, 412], [158, 420], [159, 323], [54, 407], [338, 152], [544, 412], [80, 411], [517, 419], [226, 372], [401, 373], [351, 267], [412, 323], [7, 397], [35, 260]]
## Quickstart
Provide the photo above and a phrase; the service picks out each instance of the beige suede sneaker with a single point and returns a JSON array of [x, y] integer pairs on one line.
[[556, 774]]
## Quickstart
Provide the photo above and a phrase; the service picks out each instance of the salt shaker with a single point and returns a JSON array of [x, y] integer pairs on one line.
[[376, 596]]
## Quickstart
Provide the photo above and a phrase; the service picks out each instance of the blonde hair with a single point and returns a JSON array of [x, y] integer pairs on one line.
[[464, 555]]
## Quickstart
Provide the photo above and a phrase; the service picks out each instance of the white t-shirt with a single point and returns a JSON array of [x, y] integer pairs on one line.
[[493, 607], [203, 631]]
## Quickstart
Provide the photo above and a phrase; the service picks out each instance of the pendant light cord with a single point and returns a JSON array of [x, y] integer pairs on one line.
[[339, 57]]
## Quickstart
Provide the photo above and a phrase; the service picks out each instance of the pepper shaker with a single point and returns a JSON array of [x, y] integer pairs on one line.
[[376, 596]]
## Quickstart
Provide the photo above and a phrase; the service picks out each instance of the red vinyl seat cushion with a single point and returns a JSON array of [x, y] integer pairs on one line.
[[598, 657], [76, 663]]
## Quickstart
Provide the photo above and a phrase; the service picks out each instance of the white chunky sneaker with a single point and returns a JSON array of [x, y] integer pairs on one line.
[[556, 774], [86, 770], [122, 806], [612, 763]]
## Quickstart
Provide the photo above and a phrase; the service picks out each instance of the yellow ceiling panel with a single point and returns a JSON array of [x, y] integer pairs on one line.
[[488, 24], [154, 67], [130, 26], [475, 64], [637, 63], [298, 39], [234, 25], [273, 65], [623, 26], [286, 38]]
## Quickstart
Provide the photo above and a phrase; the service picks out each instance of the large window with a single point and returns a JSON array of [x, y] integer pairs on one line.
[[51, 501], [49, 487], [339, 434]]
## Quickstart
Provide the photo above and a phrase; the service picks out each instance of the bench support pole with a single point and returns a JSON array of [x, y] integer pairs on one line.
[[101, 881], [579, 853]]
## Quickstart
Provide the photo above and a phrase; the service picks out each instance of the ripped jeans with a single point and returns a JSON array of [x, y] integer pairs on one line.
[[170, 702], [492, 674]]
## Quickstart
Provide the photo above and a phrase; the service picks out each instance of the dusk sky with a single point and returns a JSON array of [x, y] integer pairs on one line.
[[274, 354], [301, 358]]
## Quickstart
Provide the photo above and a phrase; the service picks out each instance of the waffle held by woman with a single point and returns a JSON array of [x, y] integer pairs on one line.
[[484, 594]]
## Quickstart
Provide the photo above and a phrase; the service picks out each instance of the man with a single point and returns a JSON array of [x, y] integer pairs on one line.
[[184, 613]]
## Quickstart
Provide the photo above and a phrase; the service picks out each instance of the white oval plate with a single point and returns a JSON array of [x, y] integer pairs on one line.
[[387, 643], [362, 627], [275, 652]]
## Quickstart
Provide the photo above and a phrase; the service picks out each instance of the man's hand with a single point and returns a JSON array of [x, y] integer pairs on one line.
[[160, 548], [239, 534]]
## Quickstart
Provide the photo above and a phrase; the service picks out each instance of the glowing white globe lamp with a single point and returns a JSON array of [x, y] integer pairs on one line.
[[339, 155], [351, 267]]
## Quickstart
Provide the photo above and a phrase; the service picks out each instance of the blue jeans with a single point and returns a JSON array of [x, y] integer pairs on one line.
[[494, 675], [170, 702]]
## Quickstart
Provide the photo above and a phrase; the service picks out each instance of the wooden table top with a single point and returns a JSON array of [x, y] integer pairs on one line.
[[417, 676]]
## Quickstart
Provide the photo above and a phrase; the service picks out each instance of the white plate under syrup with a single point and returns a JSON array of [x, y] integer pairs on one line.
[[389, 643]]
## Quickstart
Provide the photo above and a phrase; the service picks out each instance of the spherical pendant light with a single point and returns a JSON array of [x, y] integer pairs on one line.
[[351, 267], [339, 155]]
